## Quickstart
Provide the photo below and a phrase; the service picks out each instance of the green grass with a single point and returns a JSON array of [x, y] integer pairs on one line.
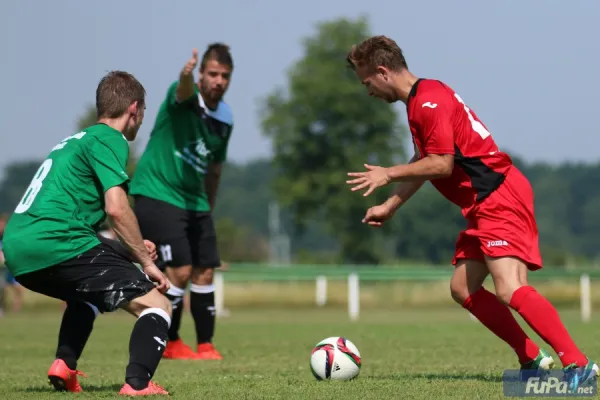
[[429, 354]]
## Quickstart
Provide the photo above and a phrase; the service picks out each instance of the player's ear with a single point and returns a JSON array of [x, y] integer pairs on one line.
[[383, 71], [133, 108]]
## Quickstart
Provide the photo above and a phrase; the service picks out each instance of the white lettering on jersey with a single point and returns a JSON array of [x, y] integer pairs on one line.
[[496, 243], [196, 154]]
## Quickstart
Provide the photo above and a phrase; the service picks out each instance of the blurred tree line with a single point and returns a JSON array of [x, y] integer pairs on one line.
[[322, 125]]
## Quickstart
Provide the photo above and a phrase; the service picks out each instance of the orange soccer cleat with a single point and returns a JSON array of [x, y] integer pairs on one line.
[[177, 350], [63, 378], [150, 390], [206, 351]]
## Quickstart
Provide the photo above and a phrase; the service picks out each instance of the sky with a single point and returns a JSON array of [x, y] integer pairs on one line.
[[529, 69]]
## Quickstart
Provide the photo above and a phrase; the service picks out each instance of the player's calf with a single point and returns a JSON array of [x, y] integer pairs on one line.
[[202, 304], [467, 290], [179, 278], [148, 339], [510, 279], [76, 327]]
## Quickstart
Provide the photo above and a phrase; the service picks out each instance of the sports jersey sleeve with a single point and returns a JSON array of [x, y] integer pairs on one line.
[[172, 100], [435, 126], [108, 159]]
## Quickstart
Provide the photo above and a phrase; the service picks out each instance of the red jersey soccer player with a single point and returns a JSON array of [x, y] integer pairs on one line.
[[456, 152]]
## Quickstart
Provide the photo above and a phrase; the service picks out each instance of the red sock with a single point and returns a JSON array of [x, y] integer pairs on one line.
[[543, 318], [486, 307]]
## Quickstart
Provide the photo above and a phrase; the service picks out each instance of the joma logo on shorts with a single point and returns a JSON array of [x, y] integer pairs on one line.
[[497, 243]]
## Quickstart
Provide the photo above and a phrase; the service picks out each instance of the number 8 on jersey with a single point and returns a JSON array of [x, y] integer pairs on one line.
[[34, 187]]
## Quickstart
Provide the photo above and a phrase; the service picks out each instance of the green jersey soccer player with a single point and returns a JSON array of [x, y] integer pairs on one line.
[[175, 186], [51, 246]]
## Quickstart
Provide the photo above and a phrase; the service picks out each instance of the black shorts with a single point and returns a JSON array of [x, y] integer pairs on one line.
[[182, 237], [99, 276]]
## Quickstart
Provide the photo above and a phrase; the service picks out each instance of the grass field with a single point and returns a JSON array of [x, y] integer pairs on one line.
[[429, 354]]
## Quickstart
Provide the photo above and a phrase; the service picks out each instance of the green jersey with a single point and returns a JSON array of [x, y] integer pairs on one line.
[[63, 206], [187, 137]]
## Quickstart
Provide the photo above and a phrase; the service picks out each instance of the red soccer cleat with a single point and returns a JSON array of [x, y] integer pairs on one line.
[[177, 350], [63, 378], [206, 351], [151, 390]]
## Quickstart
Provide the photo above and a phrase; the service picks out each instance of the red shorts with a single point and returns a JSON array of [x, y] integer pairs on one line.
[[502, 225]]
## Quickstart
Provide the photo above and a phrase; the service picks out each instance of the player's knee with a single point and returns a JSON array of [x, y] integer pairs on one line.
[[459, 291], [179, 276], [151, 300], [504, 292], [165, 305], [203, 276]]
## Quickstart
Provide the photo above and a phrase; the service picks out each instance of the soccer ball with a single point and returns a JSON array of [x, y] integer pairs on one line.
[[335, 358]]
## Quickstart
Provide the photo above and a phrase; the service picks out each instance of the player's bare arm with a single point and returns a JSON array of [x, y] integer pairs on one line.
[[185, 88], [434, 166], [404, 191], [211, 182], [124, 223]]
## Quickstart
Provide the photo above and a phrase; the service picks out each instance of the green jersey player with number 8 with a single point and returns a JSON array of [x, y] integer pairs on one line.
[[64, 174], [51, 247]]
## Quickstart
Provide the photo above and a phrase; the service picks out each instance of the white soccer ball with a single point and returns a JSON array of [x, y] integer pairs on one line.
[[335, 358]]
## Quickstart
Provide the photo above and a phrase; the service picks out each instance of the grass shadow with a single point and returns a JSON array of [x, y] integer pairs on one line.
[[441, 377], [87, 388]]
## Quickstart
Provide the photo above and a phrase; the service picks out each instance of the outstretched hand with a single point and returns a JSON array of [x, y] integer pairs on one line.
[[191, 64], [372, 179]]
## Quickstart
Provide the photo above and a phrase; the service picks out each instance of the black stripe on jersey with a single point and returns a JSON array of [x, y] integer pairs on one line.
[[215, 126], [413, 89], [483, 179]]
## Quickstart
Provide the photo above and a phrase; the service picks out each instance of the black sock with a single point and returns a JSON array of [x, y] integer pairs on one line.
[[202, 304], [146, 347], [75, 329], [175, 296]]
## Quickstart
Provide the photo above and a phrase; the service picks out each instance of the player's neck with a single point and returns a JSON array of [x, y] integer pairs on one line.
[[404, 82], [117, 124], [212, 105]]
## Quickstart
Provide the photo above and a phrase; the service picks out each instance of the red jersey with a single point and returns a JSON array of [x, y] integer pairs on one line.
[[441, 123]]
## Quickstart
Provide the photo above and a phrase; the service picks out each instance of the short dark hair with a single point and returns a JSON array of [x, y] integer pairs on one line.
[[116, 92], [218, 52], [377, 51]]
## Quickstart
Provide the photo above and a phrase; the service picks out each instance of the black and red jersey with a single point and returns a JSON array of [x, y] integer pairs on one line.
[[441, 123]]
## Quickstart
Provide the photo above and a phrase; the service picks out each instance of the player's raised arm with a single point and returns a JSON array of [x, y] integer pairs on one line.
[[185, 87], [123, 221]]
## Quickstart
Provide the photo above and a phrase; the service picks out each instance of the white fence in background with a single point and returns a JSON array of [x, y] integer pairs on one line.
[[354, 295]]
